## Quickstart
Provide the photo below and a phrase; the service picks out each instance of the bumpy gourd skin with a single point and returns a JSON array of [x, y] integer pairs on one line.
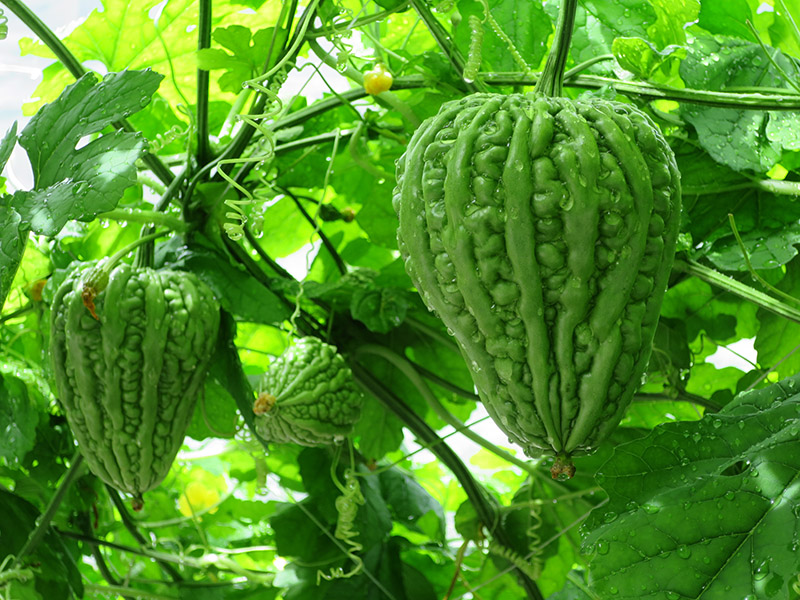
[[542, 232], [317, 401], [128, 381]]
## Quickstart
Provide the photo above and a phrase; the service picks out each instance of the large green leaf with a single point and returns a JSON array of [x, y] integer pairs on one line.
[[73, 182], [715, 515]]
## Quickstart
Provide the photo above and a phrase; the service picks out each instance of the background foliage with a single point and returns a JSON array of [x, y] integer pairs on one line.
[[676, 505]]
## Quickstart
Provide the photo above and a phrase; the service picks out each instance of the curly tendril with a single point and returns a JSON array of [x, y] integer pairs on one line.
[[516, 559], [3, 25], [265, 151], [475, 46], [347, 508]]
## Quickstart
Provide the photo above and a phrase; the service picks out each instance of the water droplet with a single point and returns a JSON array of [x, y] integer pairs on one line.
[[610, 516]]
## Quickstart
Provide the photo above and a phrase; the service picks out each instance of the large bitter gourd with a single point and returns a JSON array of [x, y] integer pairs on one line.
[[542, 231], [308, 396], [128, 378]]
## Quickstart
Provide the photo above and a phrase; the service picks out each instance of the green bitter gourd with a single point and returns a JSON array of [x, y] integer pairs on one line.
[[307, 396], [129, 351], [542, 230]]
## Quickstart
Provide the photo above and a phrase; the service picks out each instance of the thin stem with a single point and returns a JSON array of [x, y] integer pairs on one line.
[[43, 522], [750, 268], [409, 371], [485, 510], [432, 333], [781, 188], [106, 590], [588, 63], [444, 41], [682, 396], [551, 81], [266, 257], [307, 325], [356, 23], [245, 134], [739, 289], [134, 531], [325, 240], [391, 99], [85, 525], [17, 313], [203, 42]]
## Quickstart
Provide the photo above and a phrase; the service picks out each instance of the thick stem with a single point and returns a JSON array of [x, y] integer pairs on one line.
[[43, 522], [551, 81], [146, 217], [203, 42], [409, 371], [477, 495]]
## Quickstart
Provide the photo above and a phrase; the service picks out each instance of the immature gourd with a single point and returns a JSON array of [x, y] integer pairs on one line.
[[307, 396], [129, 358], [542, 230]]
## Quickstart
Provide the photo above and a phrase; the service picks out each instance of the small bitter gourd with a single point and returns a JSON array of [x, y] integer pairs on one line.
[[129, 357], [542, 230], [307, 396]]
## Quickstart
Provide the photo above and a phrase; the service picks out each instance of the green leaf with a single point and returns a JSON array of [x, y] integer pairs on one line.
[[719, 508], [246, 56], [7, 145], [18, 419], [79, 183], [298, 533], [726, 17], [741, 139], [237, 291], [642, 59], [410, 504], [778, 337], [525, 23], [215, 414], [467, 523], [378, 431], [56, 572], [13, 238], [672, 17], [381, 310]]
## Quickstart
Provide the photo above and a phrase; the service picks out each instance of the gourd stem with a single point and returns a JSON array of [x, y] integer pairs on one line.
[[409, 371], [120, 254], [43, 522], [551, 81]]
